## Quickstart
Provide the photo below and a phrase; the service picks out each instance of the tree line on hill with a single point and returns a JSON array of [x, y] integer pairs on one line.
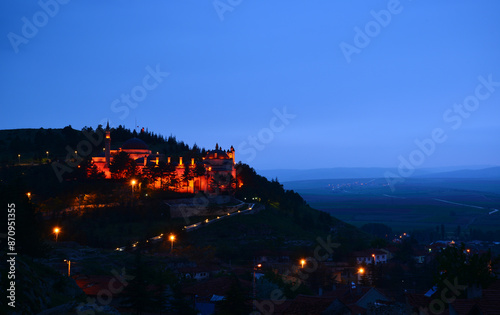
[[43, 145], [86, 180]]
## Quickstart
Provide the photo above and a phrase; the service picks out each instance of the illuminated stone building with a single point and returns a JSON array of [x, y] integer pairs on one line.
[[219, 166]]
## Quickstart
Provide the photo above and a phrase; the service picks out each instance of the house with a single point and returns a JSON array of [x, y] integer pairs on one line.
[[420, 255], [371, 297], [199, 272], [371, 256], [94, 285], [104, 292], [206, 295], [303, 304], [488, 303], [342, 301], [418, 303]]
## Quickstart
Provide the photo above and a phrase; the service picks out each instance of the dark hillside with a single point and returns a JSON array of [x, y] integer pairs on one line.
[[34, 146], [105, 217]]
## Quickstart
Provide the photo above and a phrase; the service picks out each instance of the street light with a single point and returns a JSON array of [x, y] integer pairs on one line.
[[69, 267], [302, 263], [56, 232], [361, 272], [133, 182], [255, 267], [29, 195], [47, 152], [19, 158], [172, 239]]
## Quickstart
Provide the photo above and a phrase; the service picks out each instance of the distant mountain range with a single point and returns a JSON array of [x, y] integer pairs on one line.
[[485, 173], [286, 175]]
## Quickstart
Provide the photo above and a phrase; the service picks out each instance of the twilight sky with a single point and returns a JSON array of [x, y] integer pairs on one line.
[[290, 84]]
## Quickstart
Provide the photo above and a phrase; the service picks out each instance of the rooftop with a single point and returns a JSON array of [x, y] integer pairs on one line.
[[135, 144]]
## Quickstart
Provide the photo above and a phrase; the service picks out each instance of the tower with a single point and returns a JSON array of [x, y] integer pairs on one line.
[[107, 150], [233, 171]]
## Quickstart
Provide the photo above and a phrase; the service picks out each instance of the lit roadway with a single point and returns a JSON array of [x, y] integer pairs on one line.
[[195, 226], [470, 206]]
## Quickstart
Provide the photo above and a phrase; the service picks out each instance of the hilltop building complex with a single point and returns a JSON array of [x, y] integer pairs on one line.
[[214, 171]]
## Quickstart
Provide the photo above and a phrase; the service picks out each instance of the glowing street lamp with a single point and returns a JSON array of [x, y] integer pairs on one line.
[[302, 263], [254, 289], [29, 195], [47, 152], [361, 272], [69, 267], [19, 158], [56, 232], [132, 183], [172, 239]]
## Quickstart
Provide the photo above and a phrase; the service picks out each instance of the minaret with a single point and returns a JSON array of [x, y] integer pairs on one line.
[[107, 150], [233, 171]]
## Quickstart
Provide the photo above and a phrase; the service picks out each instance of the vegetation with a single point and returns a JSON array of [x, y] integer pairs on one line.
[[471, 270], [107, 213], [234, 304], [101, 213], [418, 206], [47, 145], [379, 230], [28, 223]]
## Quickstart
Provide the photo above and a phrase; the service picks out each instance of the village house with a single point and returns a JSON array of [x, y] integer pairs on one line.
[[370, 256]]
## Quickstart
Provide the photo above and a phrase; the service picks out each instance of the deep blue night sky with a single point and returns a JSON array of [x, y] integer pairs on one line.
[[233, 65]]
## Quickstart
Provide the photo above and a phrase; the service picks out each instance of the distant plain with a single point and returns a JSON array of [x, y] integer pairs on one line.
[[416, 203]]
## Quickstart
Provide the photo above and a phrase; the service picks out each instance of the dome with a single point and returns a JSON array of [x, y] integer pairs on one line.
[[217, 154], [135, 144]]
